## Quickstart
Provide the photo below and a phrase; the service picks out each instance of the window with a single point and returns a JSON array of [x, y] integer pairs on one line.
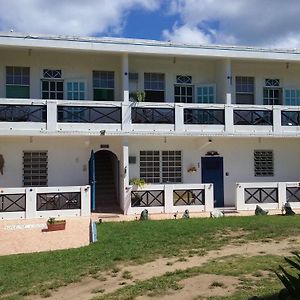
[[184, 79], [244, 90], [171, 166], [35, 168], [75, 90], [103, 84], [154, 86], [263, 163], [183, 93], [17, 82], [272, 92], [150, 166], [164, 166], [205, 94], [52, 85], [292, 97]]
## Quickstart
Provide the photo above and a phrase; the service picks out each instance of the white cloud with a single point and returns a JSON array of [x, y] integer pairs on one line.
[[73, 17], [256, 22]]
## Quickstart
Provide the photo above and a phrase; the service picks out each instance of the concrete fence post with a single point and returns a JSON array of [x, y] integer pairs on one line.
[[240, 197], [85, 193], [168, 188], [126, 116], [31, 203], [209, 197], [229, 124], [51, 115], [281, 194], [179, 118], [277, 120]]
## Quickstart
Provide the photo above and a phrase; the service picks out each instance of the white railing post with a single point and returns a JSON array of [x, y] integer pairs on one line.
[[85, 195], [239, 197], [168, 188], [31, 202], [229, 126], [51, 115], [209, 197], [126, 116], [281, 194], [179, 118], [277, 120]]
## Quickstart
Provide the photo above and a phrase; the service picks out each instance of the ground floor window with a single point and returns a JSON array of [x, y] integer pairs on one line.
[[263, 163], [35, 168], [161, 166]]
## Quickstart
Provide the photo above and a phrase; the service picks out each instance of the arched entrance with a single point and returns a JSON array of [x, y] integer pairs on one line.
[[106, 181]]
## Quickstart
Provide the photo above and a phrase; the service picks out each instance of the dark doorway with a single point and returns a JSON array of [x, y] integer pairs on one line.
[[106, 182], [212, 172]]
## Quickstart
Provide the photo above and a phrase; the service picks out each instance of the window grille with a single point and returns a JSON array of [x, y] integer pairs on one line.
[[154, 81], [53, 74], [161, 166], [171, 166], [35, 168], [263, 163], [272, 82], [150, 166], [184, 79]]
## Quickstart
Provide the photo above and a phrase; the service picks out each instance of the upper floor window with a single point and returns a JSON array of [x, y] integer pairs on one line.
[[292, 97], [272, 92], [184, 79], [17, 82], [154, 86], [183, 89], [205, 93], [52, 84], [103, 85], [244, 89]]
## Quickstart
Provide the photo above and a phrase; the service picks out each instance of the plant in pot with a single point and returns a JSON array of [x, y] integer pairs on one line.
[[138, 96], [136, 199], [54, 225]]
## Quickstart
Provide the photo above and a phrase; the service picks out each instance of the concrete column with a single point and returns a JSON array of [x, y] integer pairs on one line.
[[126, 117], [239, 197], [209, 197], [51, 115], [125, 199], [169, 198], [179, 118], [228, 78], [31, 208], [281, 194], [125, 78], [229, 126], [85, 193], [277, 120]]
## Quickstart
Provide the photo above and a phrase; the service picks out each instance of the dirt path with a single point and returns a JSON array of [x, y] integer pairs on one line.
[[109, 282]]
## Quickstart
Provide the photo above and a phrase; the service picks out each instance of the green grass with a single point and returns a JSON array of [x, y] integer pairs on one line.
[[135, 242], [232, 266]]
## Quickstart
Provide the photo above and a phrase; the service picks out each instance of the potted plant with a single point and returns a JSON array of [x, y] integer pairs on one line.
[[138, 96], [136, 199], [54, 225]]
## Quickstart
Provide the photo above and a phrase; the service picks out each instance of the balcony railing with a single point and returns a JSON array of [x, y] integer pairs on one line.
[[130, 118]]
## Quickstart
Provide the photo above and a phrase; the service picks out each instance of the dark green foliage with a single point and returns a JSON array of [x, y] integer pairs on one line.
[[291, 281]]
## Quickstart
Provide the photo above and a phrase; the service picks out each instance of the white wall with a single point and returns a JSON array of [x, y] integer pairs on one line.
[[74, 66], [287, 73], [237, 154]]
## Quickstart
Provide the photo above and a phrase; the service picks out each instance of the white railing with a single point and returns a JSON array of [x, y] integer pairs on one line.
[[268, 195], [171, 198], [180, 118], [44, 202]]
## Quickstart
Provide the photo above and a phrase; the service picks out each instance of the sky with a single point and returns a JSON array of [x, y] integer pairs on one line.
[[265, 23]]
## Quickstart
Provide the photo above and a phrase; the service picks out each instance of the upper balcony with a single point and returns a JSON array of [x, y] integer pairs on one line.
[[58, 117]]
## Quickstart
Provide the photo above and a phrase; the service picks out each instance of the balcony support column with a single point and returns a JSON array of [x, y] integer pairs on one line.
[[51, 115], [277, 120], [125, 78], [179, 118], [229, 125], [125, 192], [228, 76]]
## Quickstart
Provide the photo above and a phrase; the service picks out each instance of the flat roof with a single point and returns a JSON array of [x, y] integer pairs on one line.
[[127, 45]]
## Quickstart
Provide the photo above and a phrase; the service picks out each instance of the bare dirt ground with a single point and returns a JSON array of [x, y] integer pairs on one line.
[[198, 286]]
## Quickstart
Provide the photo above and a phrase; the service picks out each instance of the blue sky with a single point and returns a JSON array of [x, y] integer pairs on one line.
[[237, 22]]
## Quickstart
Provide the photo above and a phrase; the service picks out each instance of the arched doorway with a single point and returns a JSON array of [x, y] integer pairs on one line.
[[106, 181]]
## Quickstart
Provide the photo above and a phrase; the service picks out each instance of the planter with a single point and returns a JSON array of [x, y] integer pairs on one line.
[[55, 226]]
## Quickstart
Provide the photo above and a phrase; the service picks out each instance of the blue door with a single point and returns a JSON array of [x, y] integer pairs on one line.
[[92, 180], [212, 172]]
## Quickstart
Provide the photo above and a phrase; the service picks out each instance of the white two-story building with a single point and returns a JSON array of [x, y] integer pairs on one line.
[[219, 126]]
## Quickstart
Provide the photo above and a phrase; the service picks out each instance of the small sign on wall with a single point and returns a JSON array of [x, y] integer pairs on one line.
[[104, 146]]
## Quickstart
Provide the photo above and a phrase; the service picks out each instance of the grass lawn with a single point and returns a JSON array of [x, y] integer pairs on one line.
[[137, 242]]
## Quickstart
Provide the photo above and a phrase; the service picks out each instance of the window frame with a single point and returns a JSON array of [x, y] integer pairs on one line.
[[105, 87], [151, 89], [246, 92], [28, 167], [25, 87]]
